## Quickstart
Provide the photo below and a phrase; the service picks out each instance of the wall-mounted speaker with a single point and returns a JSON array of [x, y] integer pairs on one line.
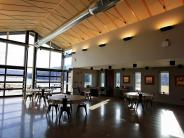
[[172, 63], [134, 65]]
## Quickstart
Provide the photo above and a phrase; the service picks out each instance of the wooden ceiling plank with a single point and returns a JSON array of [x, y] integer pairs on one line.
[[110, 18], [123, 19], [147, 8], [162, 3], [132, 10]]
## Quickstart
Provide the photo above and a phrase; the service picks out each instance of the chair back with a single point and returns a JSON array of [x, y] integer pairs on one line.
[[65, 102], [140, 97]]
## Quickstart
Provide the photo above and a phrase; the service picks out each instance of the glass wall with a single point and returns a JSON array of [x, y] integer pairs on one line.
[[12, 64], [48, 68], [2, 53], [15, 55]]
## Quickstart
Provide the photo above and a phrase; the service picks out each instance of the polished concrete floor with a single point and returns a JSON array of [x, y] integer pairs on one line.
[[109, 118]]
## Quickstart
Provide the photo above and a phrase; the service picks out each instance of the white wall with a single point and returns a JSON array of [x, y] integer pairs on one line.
[[145, 47]]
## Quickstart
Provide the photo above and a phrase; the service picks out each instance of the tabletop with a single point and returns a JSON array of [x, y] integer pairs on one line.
[[136, 94], [72, 98]]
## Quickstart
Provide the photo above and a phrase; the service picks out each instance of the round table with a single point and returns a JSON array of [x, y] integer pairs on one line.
[[136, 95], [72, 98]]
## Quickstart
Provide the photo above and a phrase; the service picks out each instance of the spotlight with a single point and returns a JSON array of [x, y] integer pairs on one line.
[[110, 67], [172, 63], [91, 68]]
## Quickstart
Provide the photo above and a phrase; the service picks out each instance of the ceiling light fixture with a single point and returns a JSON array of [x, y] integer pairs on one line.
[[84, 49], [128, 38], [166, 28], [102, 45]]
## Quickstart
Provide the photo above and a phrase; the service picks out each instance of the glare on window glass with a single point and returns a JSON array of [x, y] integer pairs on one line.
[[42, 58], [102, 79], [4, 36], [55, 60], [67, 62], [117, 79], [17, 37], [2, 53], [15, 55], [31, 39], [138, 81], [30, 56]]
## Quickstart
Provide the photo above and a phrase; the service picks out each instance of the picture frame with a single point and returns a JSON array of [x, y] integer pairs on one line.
[[179, 80], [126, 79], [149, 80]]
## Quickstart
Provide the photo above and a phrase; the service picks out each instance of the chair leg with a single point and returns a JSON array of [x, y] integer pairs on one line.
[[49, 107], [85, 109], [56, 107]]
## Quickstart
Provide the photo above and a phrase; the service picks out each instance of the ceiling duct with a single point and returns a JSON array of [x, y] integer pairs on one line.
[[99, 6]]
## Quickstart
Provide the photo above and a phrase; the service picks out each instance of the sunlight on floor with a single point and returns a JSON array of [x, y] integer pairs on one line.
[[170, 125], [93, 107]]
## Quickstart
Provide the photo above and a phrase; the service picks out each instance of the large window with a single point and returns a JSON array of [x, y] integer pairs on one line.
[[15, 55], [117, 79], [102, 79], [67, 63], [164, 83], [55, 60], [43, 57], [137, 81], [68, 59], [2, 53], [17, 36], [87, 80], [50, 78]]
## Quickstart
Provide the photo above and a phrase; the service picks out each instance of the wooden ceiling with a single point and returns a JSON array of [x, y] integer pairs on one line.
[[44, 16]]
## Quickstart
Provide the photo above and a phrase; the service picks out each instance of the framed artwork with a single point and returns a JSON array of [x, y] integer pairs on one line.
[[179, 80], [126, 79], [149, 80]]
